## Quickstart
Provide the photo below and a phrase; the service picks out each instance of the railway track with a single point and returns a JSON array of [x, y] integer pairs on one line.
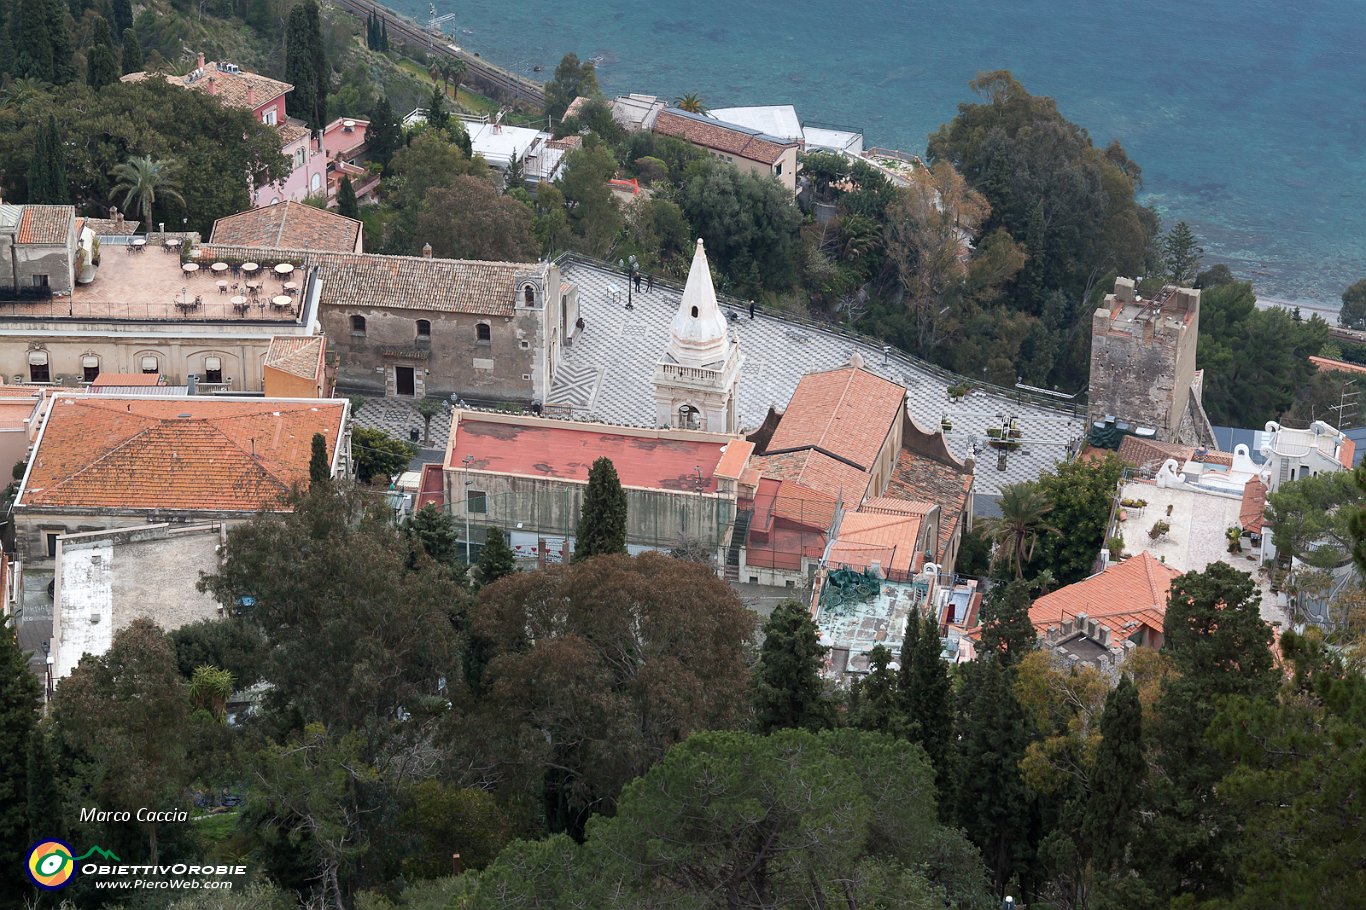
[[492, 79]]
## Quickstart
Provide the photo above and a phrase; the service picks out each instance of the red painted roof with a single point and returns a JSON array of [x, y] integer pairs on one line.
[[1133, 591], [643, 458], [126, 379], [431, 490]]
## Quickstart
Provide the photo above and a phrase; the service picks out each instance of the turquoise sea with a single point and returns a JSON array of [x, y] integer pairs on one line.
[[1246, 116]]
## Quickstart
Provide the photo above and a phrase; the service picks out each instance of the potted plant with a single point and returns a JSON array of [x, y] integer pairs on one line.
[[1159, 530], [1235, 539], [1115, 545]]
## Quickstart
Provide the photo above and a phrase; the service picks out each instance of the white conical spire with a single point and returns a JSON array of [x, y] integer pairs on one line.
[[698, 333]]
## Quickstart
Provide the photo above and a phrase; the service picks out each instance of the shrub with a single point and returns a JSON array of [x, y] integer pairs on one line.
[[1159, 529], [1115, 545]]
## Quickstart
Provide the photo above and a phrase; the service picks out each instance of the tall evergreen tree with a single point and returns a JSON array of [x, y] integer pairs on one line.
[[496, 559], [602, 520], [991, 799], [383, 136], [346, 198], [1006, 629], [788, 691], [1111, 813], [434, 532], [47, 170], [319, 465], [306, 65], [926, 693], [19, 694], [437, 115], [873, 701], [101, 60], [122, 11], [132, 52], [45, 817], [383, 35]]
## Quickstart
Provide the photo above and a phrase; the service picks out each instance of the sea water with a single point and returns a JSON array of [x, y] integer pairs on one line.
[[1246, 115]]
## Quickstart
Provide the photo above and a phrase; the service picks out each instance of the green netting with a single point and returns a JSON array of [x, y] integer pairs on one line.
[[845, 587]]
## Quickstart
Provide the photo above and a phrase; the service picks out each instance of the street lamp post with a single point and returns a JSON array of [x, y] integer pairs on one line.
[[630, 266]]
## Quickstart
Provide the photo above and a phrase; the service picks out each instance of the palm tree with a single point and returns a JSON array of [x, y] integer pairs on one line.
[[691, 102], [20, 93], [458, 69], [1017, 530], [141, 180]]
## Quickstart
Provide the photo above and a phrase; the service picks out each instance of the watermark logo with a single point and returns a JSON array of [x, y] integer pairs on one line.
[[52, 863]]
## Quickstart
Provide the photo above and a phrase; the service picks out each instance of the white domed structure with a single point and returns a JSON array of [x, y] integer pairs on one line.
[[697, 380]]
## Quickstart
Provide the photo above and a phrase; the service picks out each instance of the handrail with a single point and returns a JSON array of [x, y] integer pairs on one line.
[[910, 360]]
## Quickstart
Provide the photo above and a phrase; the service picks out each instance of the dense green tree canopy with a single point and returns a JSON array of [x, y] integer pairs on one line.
[[1311, 517], [470, 219], [571, 79], [788, 691], [1082, 494]]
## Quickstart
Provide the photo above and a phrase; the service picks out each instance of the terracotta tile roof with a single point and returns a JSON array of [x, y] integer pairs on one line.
[[919, 478], [1329, 365], [290, 226], [108, 227], [881, 505], [364, 280], [126, 379], [243, 455], [803, 505], [728, 138], [1252, 515], [819, 472], [848, 412], [889, 540], [1149, 454], [292, 131], [46, 223], [1134, 590], [735, 461], [231, 88], [297, 355], [1347, 453]]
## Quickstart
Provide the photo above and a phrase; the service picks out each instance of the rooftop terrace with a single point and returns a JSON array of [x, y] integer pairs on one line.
[[152, 286]]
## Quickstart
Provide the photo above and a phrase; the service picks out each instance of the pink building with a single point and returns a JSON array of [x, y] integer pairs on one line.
[[339, 145]]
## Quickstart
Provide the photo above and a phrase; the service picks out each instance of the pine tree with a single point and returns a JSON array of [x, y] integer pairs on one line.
[[496, 559], [1110, 815], [991, 799], [346, 198], [1006, 628], [319, 465], [602, 519], [926, 693], [433, 531], [132, 52], [47, 167], [306, 65], [874, 702], [437, 115], [19, 694], [1181, 254], [788, 691], [384, 135]]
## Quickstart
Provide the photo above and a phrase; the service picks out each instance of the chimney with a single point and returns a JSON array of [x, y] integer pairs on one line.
[[251, 95], [199, 61], [426, 251], [213, 86]]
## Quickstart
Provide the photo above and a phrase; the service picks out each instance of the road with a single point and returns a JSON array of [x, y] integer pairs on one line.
[[495, 80]]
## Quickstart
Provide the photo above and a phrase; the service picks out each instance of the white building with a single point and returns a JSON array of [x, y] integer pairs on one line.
[[1292, 453]]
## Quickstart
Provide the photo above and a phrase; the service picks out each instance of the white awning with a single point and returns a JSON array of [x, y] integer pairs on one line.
[[37, 358], [213, 363], [149, 365], [91, 362]]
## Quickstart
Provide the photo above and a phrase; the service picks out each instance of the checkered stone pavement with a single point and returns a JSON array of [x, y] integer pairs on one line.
[[397, 418], [617, 351]]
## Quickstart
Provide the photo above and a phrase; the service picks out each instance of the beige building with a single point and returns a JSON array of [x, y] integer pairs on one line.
[[416, 326], [296, 367], [40, 250], [749, 150]]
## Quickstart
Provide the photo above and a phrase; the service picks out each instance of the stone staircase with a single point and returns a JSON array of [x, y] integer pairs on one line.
[[737, 540]]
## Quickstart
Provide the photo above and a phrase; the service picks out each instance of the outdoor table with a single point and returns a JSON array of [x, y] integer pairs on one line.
[[222, 287], [172, 243], [239, 300], [190, 268], [219, 266], [139, 241], [249, 266], [282, 301], [291, 286], [283, 269]]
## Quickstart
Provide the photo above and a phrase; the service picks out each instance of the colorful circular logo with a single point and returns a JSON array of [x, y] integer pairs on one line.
[[50, 864]]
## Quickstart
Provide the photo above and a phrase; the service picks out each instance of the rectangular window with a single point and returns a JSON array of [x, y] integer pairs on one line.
[[268, 118], [213, 369], [40, 281], [476, 502], [149, 365], [778, 169], [38, 367], [299, 158], [90, 368], [52, 543]]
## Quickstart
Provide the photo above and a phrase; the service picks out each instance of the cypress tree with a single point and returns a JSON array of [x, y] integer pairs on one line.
[[437, 115], [384, 36], [383, 136], [874, 702], [788, 691], [33, 40], [926, 692], [44, 810], [1006, 628], [602, 520], [319, 465], [370, 30], [47, 167], [496, 559], [132, 52], [306, 65], [122, 11], [346, 198], [19, 693], [101, 66], [1110, 818]]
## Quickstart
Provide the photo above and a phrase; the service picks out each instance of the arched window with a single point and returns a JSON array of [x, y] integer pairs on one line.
[[530, 295], [689, 418], [424, 328], [357, 325], [213, 369], [482, 332]]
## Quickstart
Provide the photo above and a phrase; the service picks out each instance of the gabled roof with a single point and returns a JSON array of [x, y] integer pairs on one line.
[[297, 355], [232, 89], [1252, 516], [819, 472], [723, 137], [846, 412], [889, 540], [196, 454], [921, 478], [290, 226], [46, 223], [1133, 590], [401, 282]]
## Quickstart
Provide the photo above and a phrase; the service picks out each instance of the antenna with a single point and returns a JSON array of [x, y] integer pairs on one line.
[[1346, 407]]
